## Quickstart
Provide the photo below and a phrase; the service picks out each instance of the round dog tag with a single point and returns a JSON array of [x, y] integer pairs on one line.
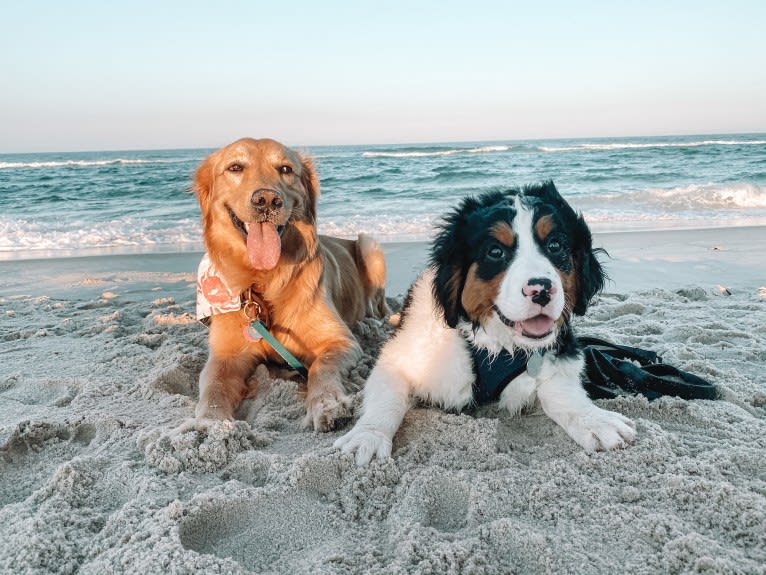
[[250, 334], [535, 364]]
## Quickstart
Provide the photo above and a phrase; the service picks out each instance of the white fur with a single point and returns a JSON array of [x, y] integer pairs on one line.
[[428, 360], [425, 359], [564, 400], [528, 262]]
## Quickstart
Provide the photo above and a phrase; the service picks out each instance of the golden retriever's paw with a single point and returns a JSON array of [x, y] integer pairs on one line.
[[327, 412], [366, 443]]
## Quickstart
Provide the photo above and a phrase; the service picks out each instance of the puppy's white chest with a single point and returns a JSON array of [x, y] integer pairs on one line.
[[535, 364]]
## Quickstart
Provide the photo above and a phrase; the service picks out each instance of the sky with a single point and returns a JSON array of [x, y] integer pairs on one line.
[[146, 74]]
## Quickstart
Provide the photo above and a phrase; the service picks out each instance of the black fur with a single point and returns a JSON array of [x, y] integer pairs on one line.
[[566, 342], [463, 236], [545, 199], [592, 275]]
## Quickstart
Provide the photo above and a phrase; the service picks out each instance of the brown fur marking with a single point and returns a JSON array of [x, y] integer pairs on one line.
[[479, 295], [544, 226], [570, 285], [503, 232]]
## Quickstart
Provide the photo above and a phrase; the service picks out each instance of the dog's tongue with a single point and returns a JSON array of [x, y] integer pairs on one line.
[[537, 326], [263, 245]]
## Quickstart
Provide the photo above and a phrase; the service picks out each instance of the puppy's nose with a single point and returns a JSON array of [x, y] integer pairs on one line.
[[539, 290], [264, 199]]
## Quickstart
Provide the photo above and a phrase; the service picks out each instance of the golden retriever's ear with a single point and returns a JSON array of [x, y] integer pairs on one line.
[[310, 182], [203, 183]]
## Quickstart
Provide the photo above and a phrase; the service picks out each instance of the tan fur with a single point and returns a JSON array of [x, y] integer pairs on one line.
[[319, 287], [544, 226], [504, 233], [571, 286], [479, 295]]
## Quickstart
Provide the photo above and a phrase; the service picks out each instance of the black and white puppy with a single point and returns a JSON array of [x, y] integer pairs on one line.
[[489, 320]]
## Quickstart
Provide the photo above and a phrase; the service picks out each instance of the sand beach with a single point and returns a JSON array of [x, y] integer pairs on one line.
[[649, 120], [99, 360]]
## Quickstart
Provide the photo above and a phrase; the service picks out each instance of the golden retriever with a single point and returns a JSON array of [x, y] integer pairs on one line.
[[258, 200]]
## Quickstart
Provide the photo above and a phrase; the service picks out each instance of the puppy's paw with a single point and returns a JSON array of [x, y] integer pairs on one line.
[[366, 443], [600, 430], [327, 411]]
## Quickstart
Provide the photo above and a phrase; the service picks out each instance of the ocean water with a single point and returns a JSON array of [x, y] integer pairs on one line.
[[64, 204]]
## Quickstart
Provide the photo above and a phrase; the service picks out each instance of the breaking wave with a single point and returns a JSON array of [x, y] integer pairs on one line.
[[433, 152], [741, 196]]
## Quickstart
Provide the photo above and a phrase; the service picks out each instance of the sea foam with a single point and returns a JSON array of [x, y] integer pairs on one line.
[[77, 163]]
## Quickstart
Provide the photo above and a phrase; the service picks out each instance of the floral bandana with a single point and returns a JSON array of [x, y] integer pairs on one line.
[[213, 295]]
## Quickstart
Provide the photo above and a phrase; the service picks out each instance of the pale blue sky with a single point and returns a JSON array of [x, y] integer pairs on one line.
[[93, 75]]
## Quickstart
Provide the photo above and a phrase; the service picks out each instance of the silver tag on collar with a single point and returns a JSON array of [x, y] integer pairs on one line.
[[535, 363]]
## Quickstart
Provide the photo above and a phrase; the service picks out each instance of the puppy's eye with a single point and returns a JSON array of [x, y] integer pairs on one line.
[[235, 167], [495, 252], [285, 169], [554, 247]]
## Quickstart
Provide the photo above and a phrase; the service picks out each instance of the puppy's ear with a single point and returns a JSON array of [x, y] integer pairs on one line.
[[450, 259], [590, 274], [203, 183], [548, 193], [310, 182]]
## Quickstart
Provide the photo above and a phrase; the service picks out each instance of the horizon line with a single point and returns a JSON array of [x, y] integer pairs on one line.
[[395, 143]]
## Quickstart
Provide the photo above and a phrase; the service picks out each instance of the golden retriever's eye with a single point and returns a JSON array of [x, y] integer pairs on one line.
[[235, 167], [285, 169]]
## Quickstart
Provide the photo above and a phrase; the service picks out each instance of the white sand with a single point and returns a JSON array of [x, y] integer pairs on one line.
[[99, 359]]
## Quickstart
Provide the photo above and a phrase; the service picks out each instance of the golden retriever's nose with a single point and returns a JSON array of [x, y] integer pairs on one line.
[[264, 199]]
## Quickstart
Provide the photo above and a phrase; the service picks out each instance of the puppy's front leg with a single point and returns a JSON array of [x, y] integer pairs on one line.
[[386, 400], [222, 387], [564, 400]]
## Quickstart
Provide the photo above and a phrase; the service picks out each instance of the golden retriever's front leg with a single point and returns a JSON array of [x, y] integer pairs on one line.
[[222, 387], [327, 404]]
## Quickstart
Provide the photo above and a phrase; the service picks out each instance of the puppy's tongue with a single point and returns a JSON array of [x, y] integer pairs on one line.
[[263, 245], [537, 326]]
